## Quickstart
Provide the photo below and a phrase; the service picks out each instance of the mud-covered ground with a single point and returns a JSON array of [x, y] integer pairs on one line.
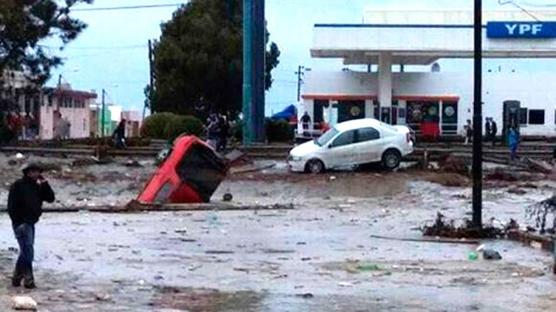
[[321, 256]]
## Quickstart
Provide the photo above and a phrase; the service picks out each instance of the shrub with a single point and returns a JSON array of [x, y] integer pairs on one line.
[[168, 126], [278, 131], [154, 125], [179, 125]]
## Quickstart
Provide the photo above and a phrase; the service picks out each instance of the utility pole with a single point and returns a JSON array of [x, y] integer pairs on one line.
[[102, 114], [253, 71], [300, 75], [478, 118], [151, 80]]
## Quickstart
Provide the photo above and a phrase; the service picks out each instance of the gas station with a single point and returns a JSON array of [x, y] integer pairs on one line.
[[430, 101]]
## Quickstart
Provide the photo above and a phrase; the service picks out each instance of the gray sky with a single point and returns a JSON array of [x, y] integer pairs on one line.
[[112, 52]]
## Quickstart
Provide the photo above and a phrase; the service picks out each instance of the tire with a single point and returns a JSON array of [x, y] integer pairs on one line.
[[391, 159], [315, 166]]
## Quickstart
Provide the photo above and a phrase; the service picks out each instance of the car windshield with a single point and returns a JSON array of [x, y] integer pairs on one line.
[[326, 137]]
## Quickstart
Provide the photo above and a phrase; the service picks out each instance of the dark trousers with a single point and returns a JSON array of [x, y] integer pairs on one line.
[[25, 235], [513, 152]]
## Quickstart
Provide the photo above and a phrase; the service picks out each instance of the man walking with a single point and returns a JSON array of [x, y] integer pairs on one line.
[[119, 135], [25, 208]]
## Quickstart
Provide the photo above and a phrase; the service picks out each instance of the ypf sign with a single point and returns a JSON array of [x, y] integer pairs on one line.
[[523, 30]]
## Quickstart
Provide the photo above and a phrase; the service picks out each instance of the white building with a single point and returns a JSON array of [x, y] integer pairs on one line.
[[443, 99]]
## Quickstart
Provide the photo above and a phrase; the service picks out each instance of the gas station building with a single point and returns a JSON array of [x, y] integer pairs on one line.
[[443, 99]]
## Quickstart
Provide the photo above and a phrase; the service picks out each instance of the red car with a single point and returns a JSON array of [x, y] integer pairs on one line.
[[190, 174]]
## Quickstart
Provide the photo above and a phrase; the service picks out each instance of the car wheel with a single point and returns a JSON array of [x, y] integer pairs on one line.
[[315, 166], [391, 159]]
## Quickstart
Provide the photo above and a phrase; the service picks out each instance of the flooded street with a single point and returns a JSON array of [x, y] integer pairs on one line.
[[325, 255]]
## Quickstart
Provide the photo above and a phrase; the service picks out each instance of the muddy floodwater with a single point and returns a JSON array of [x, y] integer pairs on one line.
[[338, 250]]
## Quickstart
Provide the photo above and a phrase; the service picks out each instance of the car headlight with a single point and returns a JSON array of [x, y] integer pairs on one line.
[[295, 158]]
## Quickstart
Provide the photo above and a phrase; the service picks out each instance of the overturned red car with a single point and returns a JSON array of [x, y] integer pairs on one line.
[[190, 174]]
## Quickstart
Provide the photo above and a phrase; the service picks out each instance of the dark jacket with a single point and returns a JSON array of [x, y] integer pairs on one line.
[[25, 200]]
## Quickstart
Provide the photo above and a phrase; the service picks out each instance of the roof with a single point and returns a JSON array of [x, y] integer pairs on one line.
[[72, 93], [423, 37]]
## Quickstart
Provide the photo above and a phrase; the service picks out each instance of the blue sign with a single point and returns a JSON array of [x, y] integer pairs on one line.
[[523, 30]]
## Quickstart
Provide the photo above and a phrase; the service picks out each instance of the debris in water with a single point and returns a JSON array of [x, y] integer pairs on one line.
[[24, 303], [540, 212], [442, 228]]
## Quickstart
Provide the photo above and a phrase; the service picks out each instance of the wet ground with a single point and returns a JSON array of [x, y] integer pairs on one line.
[[321, 256]]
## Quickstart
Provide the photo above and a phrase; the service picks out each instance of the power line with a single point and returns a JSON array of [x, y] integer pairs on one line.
[[512, 2], [539, 5], [69, 47], [131, 7]]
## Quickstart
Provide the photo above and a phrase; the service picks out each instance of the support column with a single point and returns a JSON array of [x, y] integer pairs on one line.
[[385, 83], [253, 71]]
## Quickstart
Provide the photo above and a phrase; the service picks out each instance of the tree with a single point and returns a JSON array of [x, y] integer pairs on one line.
[[23, 25], [199, 59]]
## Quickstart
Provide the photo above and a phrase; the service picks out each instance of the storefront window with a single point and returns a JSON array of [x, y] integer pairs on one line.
[[319, 107], [536, 117]]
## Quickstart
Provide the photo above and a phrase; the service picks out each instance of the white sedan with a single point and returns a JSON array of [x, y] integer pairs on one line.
[[353, 143]]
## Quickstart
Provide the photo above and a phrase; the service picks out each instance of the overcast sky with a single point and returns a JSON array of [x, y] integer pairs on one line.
[[112, 52]]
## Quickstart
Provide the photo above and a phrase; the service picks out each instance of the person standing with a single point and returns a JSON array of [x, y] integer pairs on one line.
[[513, 142], [493, 131], [213, 131], [488, 129], [468, 132], [224, 128], [25, 202], [306, 121]]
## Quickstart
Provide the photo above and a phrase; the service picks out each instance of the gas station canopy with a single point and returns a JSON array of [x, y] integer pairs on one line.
[[423, 37]]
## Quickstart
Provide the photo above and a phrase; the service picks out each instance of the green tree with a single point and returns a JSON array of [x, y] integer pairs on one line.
[[198, 60], [24, 24]]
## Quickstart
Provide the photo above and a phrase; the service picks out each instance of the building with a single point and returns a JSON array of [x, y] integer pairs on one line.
[[402, 39], [65, 105], [47, 108], [134, 121]]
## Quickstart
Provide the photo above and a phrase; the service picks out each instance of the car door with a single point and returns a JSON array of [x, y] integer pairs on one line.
[[368, 145], [341, 151]]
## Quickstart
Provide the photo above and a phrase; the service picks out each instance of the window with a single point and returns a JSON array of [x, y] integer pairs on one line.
[[345, 138], [367, 134], [523, 116], [326, 137], [401, 112], [536, 117]]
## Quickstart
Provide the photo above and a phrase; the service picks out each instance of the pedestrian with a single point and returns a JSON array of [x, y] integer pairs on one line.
[[513, 142], [66, 126], [224, 128], [493, 131], [25, 201], [305, 121], [468, 132], [213, 131], [119, 135], [488, 129]]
